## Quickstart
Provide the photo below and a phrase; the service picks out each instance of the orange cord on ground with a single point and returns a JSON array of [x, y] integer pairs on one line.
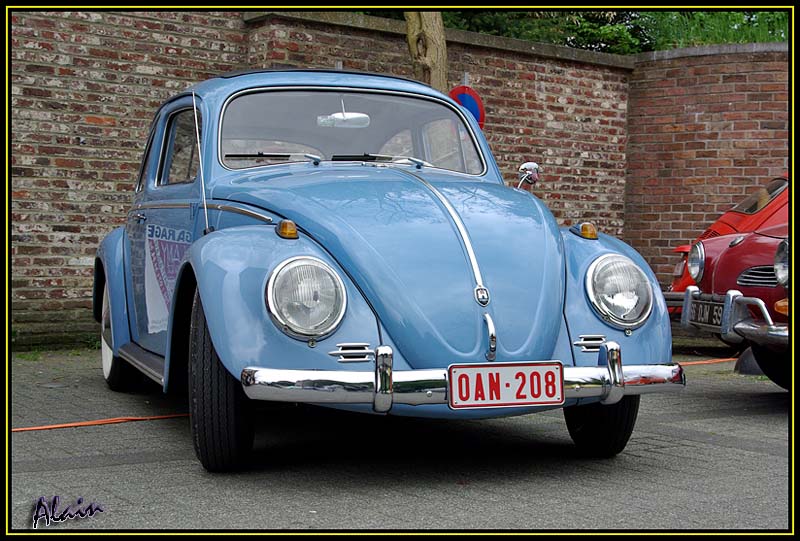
[[111, 421], [708, 361]]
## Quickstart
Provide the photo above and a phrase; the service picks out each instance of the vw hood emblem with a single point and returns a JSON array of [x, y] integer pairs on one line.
[[482, 295]]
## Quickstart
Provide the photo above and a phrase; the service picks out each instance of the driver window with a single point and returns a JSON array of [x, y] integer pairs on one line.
[[399, 145], [181, 161], [449, 146], [150, 154]]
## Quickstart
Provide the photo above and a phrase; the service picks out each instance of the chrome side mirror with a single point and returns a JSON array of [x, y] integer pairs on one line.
[[528, 172]]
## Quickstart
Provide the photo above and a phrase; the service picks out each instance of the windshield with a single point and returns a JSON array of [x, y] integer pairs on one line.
[[763, 195], [271, 127]]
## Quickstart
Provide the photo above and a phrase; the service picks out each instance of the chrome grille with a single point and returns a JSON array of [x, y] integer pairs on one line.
[[352, 353], [763, 276], [590, 342]]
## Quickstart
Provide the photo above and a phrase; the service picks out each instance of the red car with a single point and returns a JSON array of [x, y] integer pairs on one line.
[[742, 294], [766, 206]]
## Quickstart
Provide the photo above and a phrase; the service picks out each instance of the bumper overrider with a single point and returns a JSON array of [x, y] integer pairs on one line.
[[383, 387], [737, 322]]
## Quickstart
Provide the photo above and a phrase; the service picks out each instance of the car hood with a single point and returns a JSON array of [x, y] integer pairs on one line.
[[400, 245], [780, 231]]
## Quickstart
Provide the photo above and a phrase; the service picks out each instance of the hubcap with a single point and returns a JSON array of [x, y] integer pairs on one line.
[[106, 352]]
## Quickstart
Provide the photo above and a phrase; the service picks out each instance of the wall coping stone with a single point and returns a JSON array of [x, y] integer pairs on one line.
[[707, 50]]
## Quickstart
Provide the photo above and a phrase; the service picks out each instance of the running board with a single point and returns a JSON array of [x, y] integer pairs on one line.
[[150, 364]]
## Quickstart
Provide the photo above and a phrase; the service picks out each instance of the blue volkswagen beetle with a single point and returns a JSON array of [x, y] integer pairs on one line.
[[347, 240]]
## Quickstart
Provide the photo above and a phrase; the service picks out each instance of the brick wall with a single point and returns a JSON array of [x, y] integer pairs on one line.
[[85, 85], [704, 127]]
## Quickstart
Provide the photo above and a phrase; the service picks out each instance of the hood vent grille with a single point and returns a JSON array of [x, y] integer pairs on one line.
[[763, 276], [352, 353], [590, 342], [708, 234]]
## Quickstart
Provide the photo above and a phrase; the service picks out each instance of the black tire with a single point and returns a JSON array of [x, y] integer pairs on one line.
[[118, 373], [221, 418], [776, 365], [602, 431]]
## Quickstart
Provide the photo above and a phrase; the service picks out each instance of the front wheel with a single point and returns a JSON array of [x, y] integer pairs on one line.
[[221, 418], [776, 365], [602, 431]]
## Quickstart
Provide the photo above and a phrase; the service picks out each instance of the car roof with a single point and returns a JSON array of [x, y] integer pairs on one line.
[[225, 84], [238, 73]]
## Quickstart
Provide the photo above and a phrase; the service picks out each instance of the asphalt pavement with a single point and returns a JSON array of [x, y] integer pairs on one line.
[[713, 457]]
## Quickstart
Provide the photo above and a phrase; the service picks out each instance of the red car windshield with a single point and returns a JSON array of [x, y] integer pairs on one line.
[[761, 197]]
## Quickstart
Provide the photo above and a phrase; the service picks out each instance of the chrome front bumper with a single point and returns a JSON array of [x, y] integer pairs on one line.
[[674, 299], [737, 321], [383, 388], [737, 324]]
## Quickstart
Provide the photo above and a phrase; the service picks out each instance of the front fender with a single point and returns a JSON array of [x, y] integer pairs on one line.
[[651, 343], [110, 257], [232, 267]]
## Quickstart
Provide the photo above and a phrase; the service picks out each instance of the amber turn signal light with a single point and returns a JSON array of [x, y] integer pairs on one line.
[[782, 306], [588, 231], [286, 229]]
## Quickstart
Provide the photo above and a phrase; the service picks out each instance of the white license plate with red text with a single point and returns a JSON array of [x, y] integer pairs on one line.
[[495, 385]]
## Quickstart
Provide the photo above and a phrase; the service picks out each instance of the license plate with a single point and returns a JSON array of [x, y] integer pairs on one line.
[[497, 385], [706, 313]]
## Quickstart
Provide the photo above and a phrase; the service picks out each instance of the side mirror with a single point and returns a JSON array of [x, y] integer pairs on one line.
[[528, 172]]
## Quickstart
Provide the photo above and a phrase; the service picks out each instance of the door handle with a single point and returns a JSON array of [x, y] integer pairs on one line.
[[139, 217]]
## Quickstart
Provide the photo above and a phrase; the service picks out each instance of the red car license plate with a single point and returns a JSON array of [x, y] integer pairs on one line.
[[496, 385], [706, 313]]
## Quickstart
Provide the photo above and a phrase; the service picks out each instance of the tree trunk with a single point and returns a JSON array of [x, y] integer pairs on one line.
[[428, 47]]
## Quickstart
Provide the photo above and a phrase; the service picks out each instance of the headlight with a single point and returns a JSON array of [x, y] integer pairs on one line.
[[696, 261], [306, 297], [782, 263], [619, 291]]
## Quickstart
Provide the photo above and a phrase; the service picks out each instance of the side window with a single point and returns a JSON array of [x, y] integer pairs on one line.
[[449, 146], [181, 161], [399, 145], [147, 158]]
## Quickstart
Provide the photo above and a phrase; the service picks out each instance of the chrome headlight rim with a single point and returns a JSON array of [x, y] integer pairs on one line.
[[780, 265], [606, 315], [701, 261], [286, 326]]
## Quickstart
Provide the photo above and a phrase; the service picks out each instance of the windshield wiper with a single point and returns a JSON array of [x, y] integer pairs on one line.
[[378, 158], [272, 156], [250, 155], [361, 158]]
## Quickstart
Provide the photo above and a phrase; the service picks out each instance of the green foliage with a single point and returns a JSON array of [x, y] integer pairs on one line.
[[511, 24], [620, 32], [673, 29], [608, 32]]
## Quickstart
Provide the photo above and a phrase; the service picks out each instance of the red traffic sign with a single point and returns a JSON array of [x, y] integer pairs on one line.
[[470, 100]]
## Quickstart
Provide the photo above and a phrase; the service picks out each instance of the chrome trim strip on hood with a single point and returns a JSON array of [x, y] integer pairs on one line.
[[239, 210], [480, 289]]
